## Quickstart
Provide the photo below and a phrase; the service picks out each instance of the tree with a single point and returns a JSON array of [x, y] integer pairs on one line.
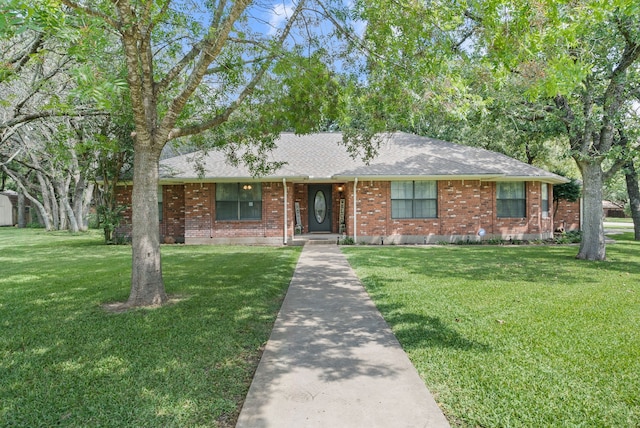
[[192, 68], [45, 121], [574, 63]]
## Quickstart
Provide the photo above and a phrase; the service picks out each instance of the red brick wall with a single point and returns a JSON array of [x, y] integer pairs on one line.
[[173, 212], [201, 217], [123, 198], [464, 207], [199, 201], [173, 217], [567, 215]]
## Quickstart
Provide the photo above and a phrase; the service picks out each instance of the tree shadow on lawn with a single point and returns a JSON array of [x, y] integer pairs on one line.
[[417, 331], [66, 361], [532, 265]]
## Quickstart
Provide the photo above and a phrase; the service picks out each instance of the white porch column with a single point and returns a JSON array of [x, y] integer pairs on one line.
[[286, 206], [355, 218]]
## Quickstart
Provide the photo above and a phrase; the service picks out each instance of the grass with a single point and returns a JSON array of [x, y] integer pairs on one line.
[[516, 336], [620, 222], [66, 361]]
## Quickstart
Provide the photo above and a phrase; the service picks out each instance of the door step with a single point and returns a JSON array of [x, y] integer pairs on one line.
[[323, 241]]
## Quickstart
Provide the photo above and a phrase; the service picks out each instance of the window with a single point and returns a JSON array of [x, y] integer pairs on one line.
[[160, 203], [238, 201], [545, 200], [510, 200], [414, 199]]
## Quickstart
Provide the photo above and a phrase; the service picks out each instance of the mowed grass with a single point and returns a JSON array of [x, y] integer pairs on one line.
[[66, 361], [516, 336]]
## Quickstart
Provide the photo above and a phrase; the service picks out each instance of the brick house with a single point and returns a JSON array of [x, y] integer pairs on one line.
[[417, 190]]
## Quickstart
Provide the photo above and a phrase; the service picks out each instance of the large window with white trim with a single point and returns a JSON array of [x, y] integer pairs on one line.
[[239, 201], [511, 200], [414, 199]]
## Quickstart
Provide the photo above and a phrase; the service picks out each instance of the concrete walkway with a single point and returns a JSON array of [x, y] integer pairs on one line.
[[332, 361]]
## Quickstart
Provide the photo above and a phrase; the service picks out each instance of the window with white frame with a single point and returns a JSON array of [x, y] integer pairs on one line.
[[238, 201], [545, 200], [511, 200], [414, 199]]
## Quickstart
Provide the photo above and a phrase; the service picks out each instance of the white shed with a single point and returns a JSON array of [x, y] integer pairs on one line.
[[6, 211]]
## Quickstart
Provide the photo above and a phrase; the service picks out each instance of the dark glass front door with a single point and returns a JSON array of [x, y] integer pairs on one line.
[[320, 208]]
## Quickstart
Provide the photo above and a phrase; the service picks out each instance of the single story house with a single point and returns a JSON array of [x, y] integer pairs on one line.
[[613, 209], [417, 190]]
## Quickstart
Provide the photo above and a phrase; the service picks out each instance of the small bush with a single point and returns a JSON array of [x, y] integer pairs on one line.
[[347, 241], [495, 241], [573, 237]]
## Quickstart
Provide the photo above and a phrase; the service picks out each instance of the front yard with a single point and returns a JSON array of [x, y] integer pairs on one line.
[[516, 336], [66, 361], [503, 335]]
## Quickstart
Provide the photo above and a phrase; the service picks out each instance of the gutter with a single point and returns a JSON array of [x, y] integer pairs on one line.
[[552, 179]]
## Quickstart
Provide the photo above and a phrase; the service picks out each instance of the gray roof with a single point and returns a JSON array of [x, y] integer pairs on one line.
[[323, 157]]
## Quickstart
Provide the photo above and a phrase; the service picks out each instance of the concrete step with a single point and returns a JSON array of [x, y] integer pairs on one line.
[[322, 241]]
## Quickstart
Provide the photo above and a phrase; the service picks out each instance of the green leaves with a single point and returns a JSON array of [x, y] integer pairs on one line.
[[100, 91], [18, 16]]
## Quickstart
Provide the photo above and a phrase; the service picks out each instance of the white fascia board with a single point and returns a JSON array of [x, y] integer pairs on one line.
[[550, 180], [249, 179], [481, 177]]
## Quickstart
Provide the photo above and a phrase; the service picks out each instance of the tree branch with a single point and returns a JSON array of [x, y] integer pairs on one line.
[[20, 60], [91, 12], [224, 116]]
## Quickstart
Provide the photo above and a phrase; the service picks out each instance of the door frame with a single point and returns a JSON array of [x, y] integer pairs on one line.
[[327, 225]]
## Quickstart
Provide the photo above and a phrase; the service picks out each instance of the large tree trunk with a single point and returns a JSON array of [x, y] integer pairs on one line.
[[50, 209], [592, 246], [34, 202], [85, 205], [22, 222], [65, 206], [631, 175], [147, 286]]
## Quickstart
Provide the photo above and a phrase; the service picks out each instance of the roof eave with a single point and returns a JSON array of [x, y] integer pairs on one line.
[[185, 180], [481, 177], [545, 179]]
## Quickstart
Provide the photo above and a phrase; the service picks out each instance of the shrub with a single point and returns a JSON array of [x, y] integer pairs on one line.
[[347, 241]]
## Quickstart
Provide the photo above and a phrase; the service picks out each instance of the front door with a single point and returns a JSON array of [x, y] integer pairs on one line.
[[320, 208]]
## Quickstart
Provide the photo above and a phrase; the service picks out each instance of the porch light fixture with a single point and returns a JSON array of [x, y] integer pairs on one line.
[[246, 187], [340, 188]]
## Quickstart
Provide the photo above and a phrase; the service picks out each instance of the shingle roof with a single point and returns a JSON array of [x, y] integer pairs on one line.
[[322, 157]]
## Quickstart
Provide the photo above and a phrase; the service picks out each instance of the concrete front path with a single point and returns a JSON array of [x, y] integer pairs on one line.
[[332, 361]]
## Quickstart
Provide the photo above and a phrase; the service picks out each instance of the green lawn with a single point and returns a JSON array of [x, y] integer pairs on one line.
[[516, 336], [620, 222], [65, 361]]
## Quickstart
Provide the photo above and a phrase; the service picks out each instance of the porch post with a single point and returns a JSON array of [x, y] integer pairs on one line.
[[355, 219], [284, 184]]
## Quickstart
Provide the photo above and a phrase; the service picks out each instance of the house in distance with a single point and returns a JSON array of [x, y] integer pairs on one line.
[[416, 190]]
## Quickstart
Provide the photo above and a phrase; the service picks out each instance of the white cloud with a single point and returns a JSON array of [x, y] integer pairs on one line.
[[279, 15]]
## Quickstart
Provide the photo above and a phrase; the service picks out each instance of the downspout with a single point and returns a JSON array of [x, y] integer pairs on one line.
[[355, 220], [284, 184]]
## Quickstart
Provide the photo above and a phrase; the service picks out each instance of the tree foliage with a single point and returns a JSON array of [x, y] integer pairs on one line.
[[224, 75], [539, 70]]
